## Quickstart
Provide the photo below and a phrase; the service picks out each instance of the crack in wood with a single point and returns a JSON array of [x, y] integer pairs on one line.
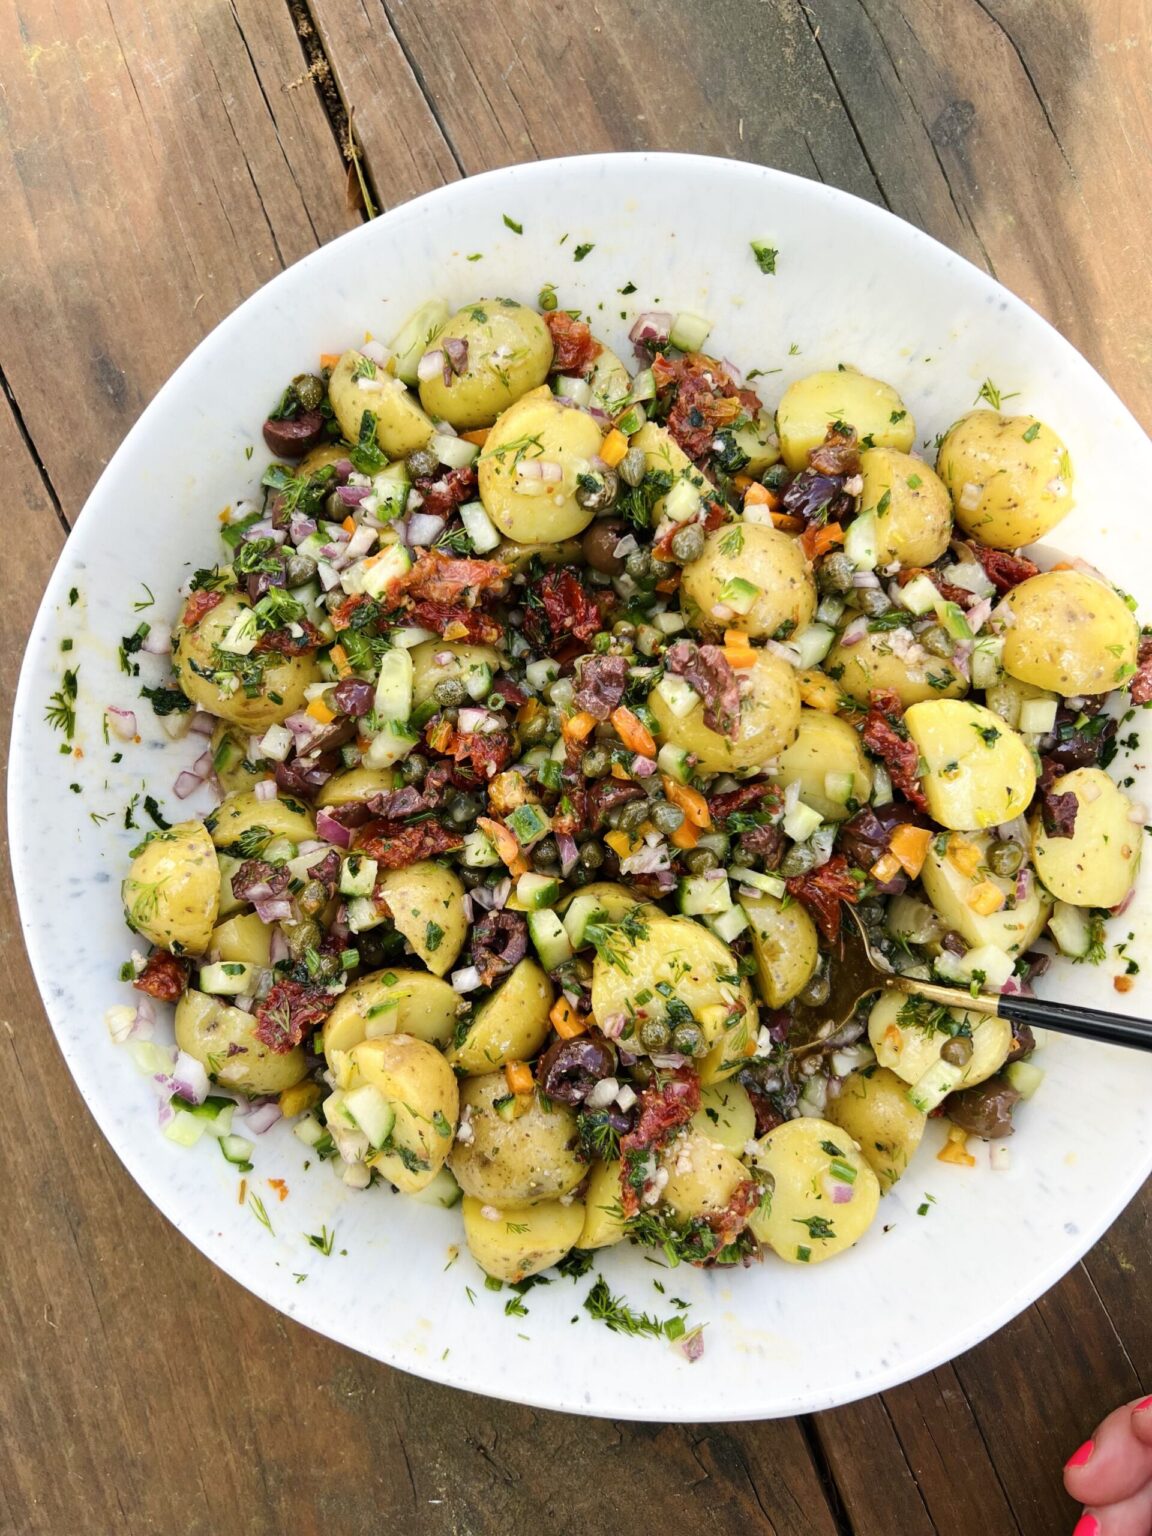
[[837, 1506], [324, 82], [33, 452], [1024, 65], [814, 28]]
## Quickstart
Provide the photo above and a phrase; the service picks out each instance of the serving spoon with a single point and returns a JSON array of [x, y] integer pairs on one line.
[[860, 970]]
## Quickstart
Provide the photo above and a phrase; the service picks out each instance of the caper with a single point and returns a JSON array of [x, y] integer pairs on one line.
[[957, 1052], [633, 817], [815, 992], [463, 809], [595, 763], [667, 818], [836, 573], [799, 860], [1004, 858], [422, 461], [335, 509], [534, 729], [936, 640], [639, 564], [688, 1039], [632, 467], [412, 769], [313, 898], [663, 570], [308, 389], [449, 691], [654, 1034], [301, 937], [700, 861], [602, 642], [873, 601], [324, 967], [688, 543], [623, 630], [545, 856], [298, 569], [591, 855], [597, 491]]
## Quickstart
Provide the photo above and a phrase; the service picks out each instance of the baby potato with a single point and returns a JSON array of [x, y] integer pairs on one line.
[[282, 682], [785, 946], [438, 661], [726, 1115], [663, 455], [1007, 694], [244, 939], [873, 1107], [511, 1025], [511, 1245], [913, 511], [426, 901], [221, 1038], [603, 1213], [1097, 865], [979, 773], [894, 659], [950, 876], [801, 1222], [354, 786], [673, 953], [808, 407], [419, 1084], [615, 900], [769, 718], [825, 746], [537, 431], [1010, 477], [509, 352], [907, 1048], [702, 1175], [243, 813], [771, 561], [1069, 633], [230, 761], [171, 892], [515, 1162], [318, 458], [358, 387], [394, 1002]]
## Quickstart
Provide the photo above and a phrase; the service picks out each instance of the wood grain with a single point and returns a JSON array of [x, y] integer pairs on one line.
[[158, 163]]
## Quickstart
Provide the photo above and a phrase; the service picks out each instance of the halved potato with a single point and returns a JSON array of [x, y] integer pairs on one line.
[[426, 901], [508, 351], [801, 1222], [394, 1002], [243, 816], [279, 689], [221, 1038], [511, 1025], [726, 1115], [603, 1211], [703, 1175], [1097, 865], [950, 884], [978, 772], [511, 1245], [785, 945], [359, 387], [1070, 633], [516, 1161], [908, 1047], [536, 433], [1010, 477], [826, 750], [773, 563], [171, 892], [420, 1086], [873, 1107], [769, 718], [809, 406]]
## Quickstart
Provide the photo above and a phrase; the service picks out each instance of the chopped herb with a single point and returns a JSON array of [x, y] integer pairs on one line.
[[619, 1316], [61, 710], [1032, 432], [73, 596], [765, 256], [994, 396], [156, 814], [517, 229], [582, 250], [914, 482], [514, 1307], [897, 416], [321, 1241], [988, 734], [433, 934], [884, 503], [257, 1207], [166, 701], [819, 1227]]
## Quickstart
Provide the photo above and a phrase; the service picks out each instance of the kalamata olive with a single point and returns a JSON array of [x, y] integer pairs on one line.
[[957, 1052], [864, 837], [499, 943], [570, 1069], [597, 490], [308, 389], [985, 1110], [291, 439], [688, 543], [1023, 1043], [599, 546], [1005, 858], [421, 462], [632, 467]]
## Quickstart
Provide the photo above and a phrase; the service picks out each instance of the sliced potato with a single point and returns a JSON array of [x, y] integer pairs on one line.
[[800, 1221], [785, 946], [616, 901], [826, 750], [171, 892], [603, 1212], [246, 939], [516, 1161], [511, 1245], [978, 772], [394, 1002], [726, 1115], [950, 883], [511, 1025], [896, 1029], [810, 405], [282, 680], [893, 659], [538, 431], [426, 901], [355, 785], [221, 1038], [508, 352], [1070, 633], [421, 1088], [911, 505], [769, 718], [397, 424], [774, 564], [702, 1176], [873, 1107], [244, 816], [1097, 865], [1010, 477]]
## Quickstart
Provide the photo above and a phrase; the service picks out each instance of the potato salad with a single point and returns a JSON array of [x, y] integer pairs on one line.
[[556, 706]]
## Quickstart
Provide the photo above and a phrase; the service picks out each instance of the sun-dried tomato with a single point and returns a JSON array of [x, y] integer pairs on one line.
[[164, 977], [342, 615], [394, 845], [822, 890], [286, 643], [441, 578], [731, 1221], [1002, 569], [706, 400], [839, 453], [562, 609], [444, 493], [1141, 685], [665, 1105], [486, 751], [198, 604], [575, 348], [456, 622], [760, 790], [886, 735], [290, 1012]]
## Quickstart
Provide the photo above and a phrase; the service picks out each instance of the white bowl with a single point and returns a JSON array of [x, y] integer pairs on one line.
[[853, 284]]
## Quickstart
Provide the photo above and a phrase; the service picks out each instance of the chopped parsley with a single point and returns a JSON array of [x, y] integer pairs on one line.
[[765, 256], [582, 250]]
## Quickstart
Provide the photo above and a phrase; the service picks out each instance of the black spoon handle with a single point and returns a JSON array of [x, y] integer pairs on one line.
[[1071, 1019]]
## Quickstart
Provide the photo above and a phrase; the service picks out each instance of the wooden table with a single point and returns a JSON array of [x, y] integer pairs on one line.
[[159, 162]]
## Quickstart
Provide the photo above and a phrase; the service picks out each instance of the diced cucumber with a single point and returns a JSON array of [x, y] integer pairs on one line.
[[930, 1090], [275, 743], [541, 673], [479, 851], [479, 527], [813, 644], [839, 786], [335, 1114], [390, 488], [358, 875], [643, 385], [951, 616], [549, 936], [363, 913], [728, 925], [392, 562], [669, 623], [393, 741], [409, 636], [1071, 927], [228, 978], [689, 331], [715, 842], [237, 1150], [537, 891], [800, 821], [1038, 715], [987, 963], [216, 1111], [309, 1130], [185, 1129], [443, 1190], [771, 885], [455, 452], [584, 908], [919, 596], [631, 420], [674, 762], [682, 502], [861, 544], [477, 680], [394, 685], [701, 896], [280, 850], [1024, 1077], [987, 668], [578, 390], [739, 595], [680, 696], [242, 634], [371, 1113], [228, 755], [412, 340], [528, 824], [881, 785], [831, 609]]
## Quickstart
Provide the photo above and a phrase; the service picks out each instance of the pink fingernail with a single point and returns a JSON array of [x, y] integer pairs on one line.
[[1144, 1406], [1088, 1525], [1083, 1455]]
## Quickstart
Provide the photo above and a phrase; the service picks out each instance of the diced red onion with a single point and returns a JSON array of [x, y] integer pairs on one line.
[[1116, 911], [569, 853], [328, 574], [979, 614], [602, 1094], [430, 366], [343, 468], [855, 631], [626, 546], [186, 784], [278, 909], [734, 373], [265, 790], [424, 528], [690, 1344], [121, 722], [482, 897], [202, 723], [865, 579], [260, 1117], [841, 1193], [961, 657], [1138, 814], [158, 640], [668, 1061], [467, 979], [164, 1113], [332, 831], [303, 727], [500, 894], [466, 904], [652, 325], [613, 1025], [145, 1021], [643, 767], [353, 495], [300, 528], [1023, 883], [190, 1079]]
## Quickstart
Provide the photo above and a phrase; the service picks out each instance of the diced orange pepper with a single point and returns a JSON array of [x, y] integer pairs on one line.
[[349, 524], [690, 800], [280, 1187], [886, 868], [613, 448], [757, 495], [340, 661], [504, 841], [910, 845], [686, 835], [620, 772], [740, 657], [528, 711], [320, 711], [670, 584], [963, 855], [577, 726], [955, 1150], [518, 1076], [478, 435], [441, 736], [566, 1021], [621, 844], [787, 524], [633, 732], [329, 359], [816, 541], [986, 898], [893, 1039], [741, 482]]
